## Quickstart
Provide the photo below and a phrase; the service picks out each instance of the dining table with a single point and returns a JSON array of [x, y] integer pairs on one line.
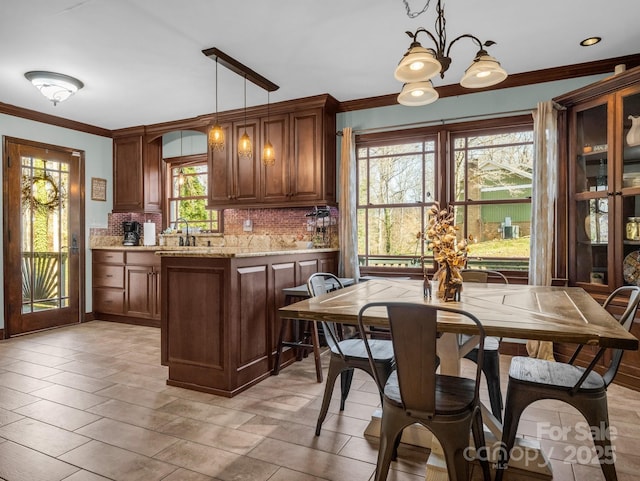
[[544, 313]]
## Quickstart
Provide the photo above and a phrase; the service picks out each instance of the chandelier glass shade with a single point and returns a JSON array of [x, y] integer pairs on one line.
[[485, 71], [419, 65], [56, 87], [415, 94]]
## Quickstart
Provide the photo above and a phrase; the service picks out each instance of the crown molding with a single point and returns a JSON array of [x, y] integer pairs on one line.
[[53, 120], [515, 80]]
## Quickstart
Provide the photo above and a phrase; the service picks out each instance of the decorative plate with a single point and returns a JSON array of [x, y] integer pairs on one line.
[[631, 268]]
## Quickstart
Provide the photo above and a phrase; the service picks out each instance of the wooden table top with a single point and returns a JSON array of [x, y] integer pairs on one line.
[[560, 314]]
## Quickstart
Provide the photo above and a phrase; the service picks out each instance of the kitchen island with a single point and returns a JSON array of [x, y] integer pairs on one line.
[[219, 322]]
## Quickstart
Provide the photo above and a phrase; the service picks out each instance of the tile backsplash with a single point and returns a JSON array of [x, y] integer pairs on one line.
[[274, 228]]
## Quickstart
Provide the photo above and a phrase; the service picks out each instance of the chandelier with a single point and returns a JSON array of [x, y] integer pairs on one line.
[[419, 65]]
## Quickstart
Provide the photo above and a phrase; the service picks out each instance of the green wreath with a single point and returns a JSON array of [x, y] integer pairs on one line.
[[40, 192]]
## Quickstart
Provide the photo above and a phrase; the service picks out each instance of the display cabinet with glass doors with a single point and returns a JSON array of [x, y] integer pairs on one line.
[[603, 195]]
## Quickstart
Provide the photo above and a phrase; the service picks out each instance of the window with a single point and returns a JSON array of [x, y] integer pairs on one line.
[[188, 194], [484, 172]]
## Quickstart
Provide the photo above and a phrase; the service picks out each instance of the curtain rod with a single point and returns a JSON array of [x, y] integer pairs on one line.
[[427, 123]]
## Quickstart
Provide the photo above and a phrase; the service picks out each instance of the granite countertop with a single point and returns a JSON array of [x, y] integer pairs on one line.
[[181, 251]]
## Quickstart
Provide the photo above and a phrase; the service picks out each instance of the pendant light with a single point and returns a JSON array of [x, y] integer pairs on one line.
[[216, 134], [245, 149], [268, 153]]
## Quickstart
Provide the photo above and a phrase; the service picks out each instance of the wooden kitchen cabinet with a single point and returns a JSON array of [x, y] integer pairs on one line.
[[603, 183], [602, 173], [304, 174], [108, 282], [126, 286], [142, 284], [137, 173], [220, 315]]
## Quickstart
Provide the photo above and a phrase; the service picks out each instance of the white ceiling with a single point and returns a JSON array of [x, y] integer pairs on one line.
[[141, 60]]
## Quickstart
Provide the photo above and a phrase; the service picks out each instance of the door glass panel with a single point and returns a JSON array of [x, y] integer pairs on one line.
[[592, 236], [45, 234], [631, 140], [592, 150], [631, 236]]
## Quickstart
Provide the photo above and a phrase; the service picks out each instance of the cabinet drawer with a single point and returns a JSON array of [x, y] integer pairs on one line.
[[109, 301], [143, 259], [108, 257], [105, 275]]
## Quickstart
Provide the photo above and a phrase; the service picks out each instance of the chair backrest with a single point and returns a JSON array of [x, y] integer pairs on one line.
[[626, 320], [482, 275], [414, 333], [321, 283]]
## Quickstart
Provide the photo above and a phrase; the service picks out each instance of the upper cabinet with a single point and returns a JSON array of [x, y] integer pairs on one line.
[[603, 166], [137, 174], [303, 136]]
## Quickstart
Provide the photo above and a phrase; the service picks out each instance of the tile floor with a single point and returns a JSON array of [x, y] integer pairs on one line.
[[89, 403]]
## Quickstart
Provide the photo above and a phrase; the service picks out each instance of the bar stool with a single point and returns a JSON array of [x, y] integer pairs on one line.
[[302, 344], [310, 339]]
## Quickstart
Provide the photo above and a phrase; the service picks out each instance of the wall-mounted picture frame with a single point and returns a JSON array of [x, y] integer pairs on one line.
[[98, 189]]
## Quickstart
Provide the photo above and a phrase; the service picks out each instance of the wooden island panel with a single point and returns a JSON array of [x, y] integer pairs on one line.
[[219, 320]]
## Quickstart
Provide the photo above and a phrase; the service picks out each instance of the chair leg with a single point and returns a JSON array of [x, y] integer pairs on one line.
[[276, 362], [346, 377], [517, 401], [390, 431], [335, 368], [596, 414], [315, 341], [477, 428], [491, 370]]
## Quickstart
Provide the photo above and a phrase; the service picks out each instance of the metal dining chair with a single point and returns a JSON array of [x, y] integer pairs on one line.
[[346, 354], [448, 406], [532, 379], [491, 365]]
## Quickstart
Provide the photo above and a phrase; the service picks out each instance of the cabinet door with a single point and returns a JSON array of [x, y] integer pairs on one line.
[[127, 174], [627, 186], [276, 186], [152, 175], [593, 169], [246, 170], [220, 170], [139, 291], [306, 161]]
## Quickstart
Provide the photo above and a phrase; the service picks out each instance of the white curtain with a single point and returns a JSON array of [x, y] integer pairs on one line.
[[348, 265], [543, 207], [544, 193]]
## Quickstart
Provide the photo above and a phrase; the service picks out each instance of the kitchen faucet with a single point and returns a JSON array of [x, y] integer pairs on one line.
[[185, 241]]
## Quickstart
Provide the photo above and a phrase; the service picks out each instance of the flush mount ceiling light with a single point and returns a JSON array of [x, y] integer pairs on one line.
[[587, 42], [420, 64], [56, 87]]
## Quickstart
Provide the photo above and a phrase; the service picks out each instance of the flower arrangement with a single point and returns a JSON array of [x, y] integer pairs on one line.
[[448, 252]]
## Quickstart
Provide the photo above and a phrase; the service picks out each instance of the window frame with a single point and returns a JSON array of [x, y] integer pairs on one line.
[[188, 161], [444, 171]]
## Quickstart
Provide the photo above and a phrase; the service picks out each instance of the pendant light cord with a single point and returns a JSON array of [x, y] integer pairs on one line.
[[216, 90]]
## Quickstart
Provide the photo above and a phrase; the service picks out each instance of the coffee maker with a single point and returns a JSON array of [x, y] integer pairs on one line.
[[131, 233]]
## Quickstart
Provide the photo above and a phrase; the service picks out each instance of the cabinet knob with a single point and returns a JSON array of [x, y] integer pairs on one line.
[[109, 275]]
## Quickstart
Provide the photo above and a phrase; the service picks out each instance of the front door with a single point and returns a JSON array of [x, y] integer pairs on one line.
[[43, 235]]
